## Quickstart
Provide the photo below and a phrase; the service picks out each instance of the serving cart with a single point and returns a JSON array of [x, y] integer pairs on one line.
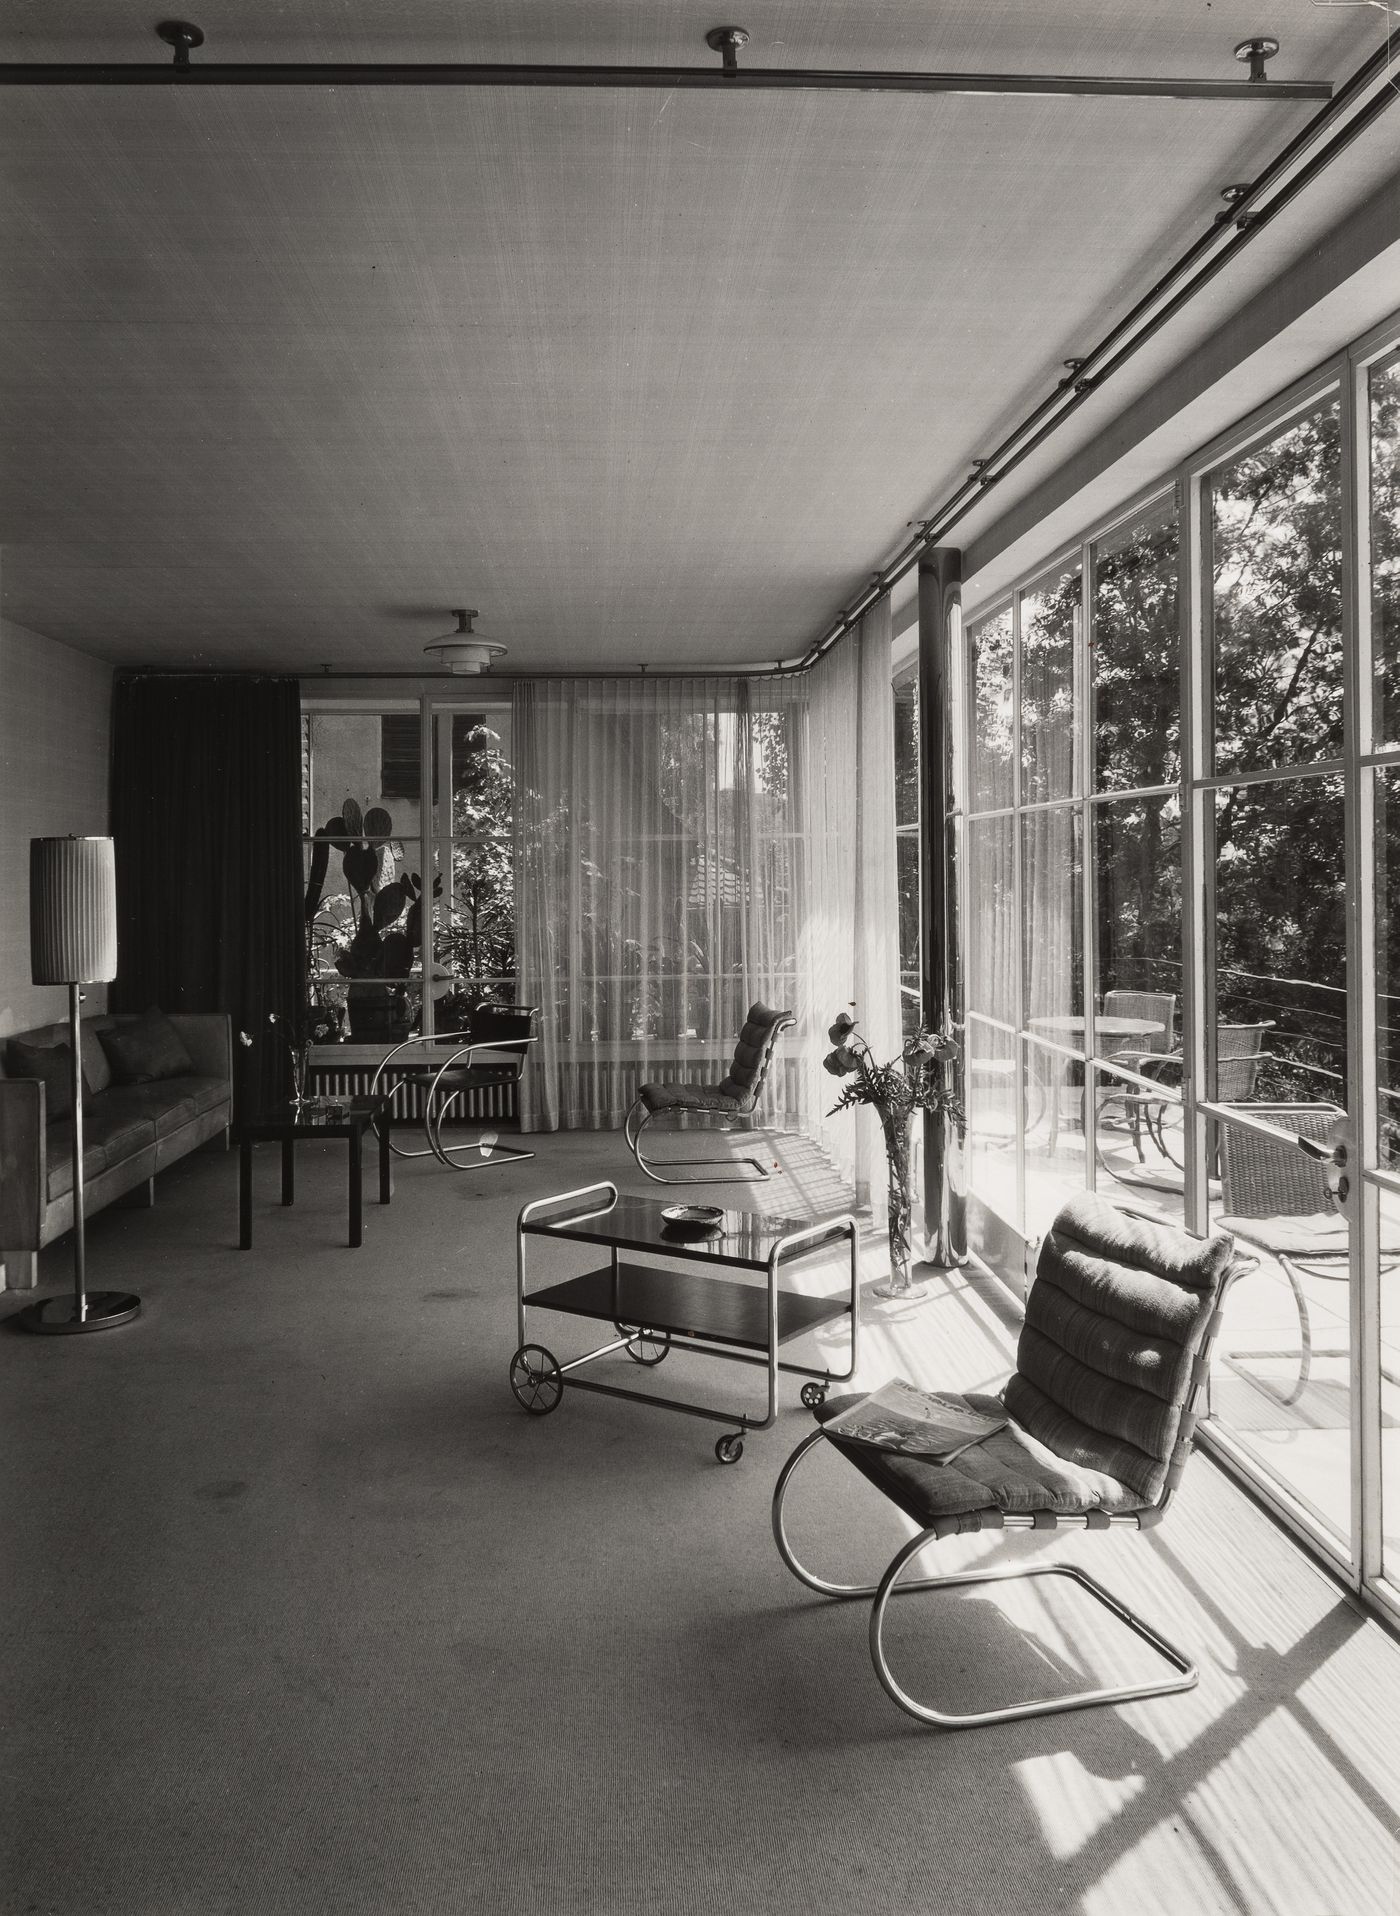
[[654, 1310]]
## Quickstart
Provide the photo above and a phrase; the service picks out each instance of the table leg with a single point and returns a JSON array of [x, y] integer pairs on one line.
[[245, 1195], [357, 1216], [386, 1160], [289, 1178]]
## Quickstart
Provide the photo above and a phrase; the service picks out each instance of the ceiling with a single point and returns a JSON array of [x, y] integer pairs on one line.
[[646, 377]]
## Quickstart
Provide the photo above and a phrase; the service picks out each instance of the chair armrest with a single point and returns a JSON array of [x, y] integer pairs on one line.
[[208, 1037], [24, 1180]]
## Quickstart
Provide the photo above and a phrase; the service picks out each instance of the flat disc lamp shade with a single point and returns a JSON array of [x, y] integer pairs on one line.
[[72, 910]]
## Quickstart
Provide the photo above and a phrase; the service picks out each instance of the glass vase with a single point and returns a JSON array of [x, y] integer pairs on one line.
[[900, 1285], [301, 1071]]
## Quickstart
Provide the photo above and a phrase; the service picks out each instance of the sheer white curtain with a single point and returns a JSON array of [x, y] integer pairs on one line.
[[686, 846], [849, 948], [658, 866]]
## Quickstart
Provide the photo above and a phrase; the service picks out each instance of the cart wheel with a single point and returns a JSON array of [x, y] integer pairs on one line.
[[814, 1395], [730, 1449], [536, 1380], [644, 1346]]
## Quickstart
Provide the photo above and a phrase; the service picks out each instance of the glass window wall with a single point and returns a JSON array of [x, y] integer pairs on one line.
[[1180, 855]]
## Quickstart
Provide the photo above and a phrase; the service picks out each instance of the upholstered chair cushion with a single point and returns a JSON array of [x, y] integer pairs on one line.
[[1113, 1324], [687, 1097], [738, 1090], [745, 1074], [1103, 1377]]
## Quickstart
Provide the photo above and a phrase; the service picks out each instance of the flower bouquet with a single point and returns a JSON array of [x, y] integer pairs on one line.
[[299, 1050], [914, 1081]]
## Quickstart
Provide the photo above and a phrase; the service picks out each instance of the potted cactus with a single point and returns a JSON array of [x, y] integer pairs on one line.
[[387, 912]]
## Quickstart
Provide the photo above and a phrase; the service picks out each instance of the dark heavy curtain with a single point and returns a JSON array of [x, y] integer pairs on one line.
[[206, 815]]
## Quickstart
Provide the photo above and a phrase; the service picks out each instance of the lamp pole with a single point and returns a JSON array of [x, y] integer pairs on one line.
[[73, 941]]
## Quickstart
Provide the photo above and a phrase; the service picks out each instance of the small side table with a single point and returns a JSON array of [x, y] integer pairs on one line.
[[285, 1124]]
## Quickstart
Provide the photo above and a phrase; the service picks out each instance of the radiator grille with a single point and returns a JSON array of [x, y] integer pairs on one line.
[[485, 1101]]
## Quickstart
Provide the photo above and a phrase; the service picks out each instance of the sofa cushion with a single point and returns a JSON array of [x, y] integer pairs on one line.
[[113, 1130], [97, 1069], [52, 1064], [146, 1050], [167, 1105]]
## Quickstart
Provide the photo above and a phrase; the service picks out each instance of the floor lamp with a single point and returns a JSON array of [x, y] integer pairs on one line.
[[73, 942]]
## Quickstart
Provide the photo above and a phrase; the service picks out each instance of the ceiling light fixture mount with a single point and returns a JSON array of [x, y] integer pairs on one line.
[[728, 40], [464, 652], [182, 36], [1258, 51]]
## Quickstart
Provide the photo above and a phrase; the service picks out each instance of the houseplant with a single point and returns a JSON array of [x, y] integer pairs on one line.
[[386, 912], [914, 1081]]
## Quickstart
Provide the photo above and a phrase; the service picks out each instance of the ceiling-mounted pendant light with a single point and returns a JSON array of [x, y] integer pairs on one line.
[[464, 652]]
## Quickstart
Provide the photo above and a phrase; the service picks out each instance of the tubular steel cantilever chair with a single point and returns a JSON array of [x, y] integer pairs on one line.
[[503, 1033], [1110, 1368], [734, 1098]]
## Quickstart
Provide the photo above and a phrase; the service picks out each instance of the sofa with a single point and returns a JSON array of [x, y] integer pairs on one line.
[[131, 1130]]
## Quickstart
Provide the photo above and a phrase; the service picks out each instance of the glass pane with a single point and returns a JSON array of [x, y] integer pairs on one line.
[[1276, 532], [1385, 544], [1051, 612], [1055, 1157], [991, 922], [1390, 1385], [1052, 927], [1137, 877], [473, 750], [907, 865], [1136, 655], [1138, 1142], [475, 940], [992, 712], [364, 939], [1280, 943], [369, 758], [1281, 1377], [992, 1095], [906, 749], [1387, 843]]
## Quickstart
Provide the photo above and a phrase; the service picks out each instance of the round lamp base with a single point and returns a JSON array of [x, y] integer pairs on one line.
[[61, 1317]]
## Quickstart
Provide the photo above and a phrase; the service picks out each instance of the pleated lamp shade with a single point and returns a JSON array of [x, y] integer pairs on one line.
[[72, 910]]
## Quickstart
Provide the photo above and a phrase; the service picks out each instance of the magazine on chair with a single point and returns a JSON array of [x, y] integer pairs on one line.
[[933, 1424]]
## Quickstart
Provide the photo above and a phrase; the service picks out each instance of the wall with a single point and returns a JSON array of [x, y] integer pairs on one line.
[[55, 722]]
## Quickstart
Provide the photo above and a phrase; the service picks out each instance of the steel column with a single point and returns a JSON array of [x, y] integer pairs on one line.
[[940, 630]]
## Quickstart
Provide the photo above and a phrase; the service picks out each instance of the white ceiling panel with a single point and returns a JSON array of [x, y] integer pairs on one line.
[[645, 376]]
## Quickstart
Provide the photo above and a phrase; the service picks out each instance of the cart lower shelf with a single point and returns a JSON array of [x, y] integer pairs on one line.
[[699, 1305]]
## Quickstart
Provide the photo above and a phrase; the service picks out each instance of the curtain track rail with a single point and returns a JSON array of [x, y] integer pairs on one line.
[[729, 77], [1356, 105]]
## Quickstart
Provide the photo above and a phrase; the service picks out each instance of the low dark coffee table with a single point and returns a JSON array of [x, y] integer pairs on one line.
[[285, 1124]]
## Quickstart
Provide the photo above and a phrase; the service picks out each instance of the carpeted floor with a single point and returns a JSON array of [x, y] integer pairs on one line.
[[302, 1614]]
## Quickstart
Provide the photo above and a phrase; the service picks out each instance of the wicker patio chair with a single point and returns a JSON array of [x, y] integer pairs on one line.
[[1110, 1369], [732, 1101], [1276, 1199], [1239, 1052]]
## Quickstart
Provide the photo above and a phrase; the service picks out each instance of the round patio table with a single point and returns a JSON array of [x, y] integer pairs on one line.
[[1073, 1025]]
